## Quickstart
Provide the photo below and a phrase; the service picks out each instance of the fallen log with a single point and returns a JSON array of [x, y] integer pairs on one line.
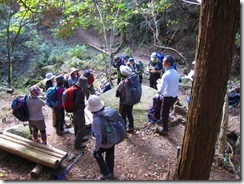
[[29, 154], [59, 156], [36, 171], [52, 149]]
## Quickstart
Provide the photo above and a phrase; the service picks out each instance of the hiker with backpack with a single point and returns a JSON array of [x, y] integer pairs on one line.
[[155, 69], [129, 92], [136, 67], [59, 109], [100, 131], [168, 87], [74, 76], [90, 77], [36, 118], [78, 107], [117, 62], [50, 83]]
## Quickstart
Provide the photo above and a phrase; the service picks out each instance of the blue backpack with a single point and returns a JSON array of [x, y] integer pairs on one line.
[[51, 97], [114, 130], [20, 110], [133, 89]]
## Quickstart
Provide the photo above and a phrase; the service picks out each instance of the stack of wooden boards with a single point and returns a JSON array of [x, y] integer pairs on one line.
[[42, 154]]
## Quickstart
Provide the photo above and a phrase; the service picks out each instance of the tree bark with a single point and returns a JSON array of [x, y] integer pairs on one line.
[[217, 29]]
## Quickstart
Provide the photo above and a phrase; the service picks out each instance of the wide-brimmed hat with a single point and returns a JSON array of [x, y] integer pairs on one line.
[[82, 83], [49, 76], [94, 103], [72, 70], [125, 70]]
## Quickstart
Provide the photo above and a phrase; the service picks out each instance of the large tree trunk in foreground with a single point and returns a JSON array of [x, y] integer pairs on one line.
[[218, 24]]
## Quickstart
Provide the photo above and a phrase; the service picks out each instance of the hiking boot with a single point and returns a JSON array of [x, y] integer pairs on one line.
[[160, 130], [130, 130], [85, 139], [81, 146], [107, 177]]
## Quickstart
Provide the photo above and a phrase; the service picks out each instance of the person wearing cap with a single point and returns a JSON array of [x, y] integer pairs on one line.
[[155, 69], [74, 76], [59, 109], [96, 106], [117, 62], [49, 80], [79, 114], [124, 108], [136, 67], [168, 88], [36, 118]]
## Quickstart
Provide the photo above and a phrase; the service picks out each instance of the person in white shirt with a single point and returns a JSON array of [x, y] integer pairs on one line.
[[168, 87]]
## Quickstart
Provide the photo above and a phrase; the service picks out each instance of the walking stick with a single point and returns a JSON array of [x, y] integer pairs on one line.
[[68, 168]]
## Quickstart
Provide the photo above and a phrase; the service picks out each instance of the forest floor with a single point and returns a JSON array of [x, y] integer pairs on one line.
[[144, 155]]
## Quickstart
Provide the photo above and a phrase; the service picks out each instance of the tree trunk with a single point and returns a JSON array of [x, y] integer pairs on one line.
[[222, 140], [217, 29]]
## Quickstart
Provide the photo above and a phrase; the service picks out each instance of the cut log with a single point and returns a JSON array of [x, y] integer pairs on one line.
[[29, 154], [36, 171], [42, 146], [46, 151]]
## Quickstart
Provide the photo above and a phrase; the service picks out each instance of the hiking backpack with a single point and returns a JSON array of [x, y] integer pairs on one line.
[[20, 110], [51, 97], [154, 110], [133, 89], [68, 99], [114, 130], [140, 67]]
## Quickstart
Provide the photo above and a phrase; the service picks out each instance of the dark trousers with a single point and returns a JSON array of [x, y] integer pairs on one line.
[[106, 165], [153, 79], [126, 111], [79, 126], [59, 114], [167, 104], [140, 77]]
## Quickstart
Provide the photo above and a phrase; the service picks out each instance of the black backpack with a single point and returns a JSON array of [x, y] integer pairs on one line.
[[20, 110], [114, 130]]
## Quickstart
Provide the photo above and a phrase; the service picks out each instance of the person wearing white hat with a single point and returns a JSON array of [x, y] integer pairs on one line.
[[50, 83], [49, 80], [155, 69], [125, 108], [106, 165], [74, 76]]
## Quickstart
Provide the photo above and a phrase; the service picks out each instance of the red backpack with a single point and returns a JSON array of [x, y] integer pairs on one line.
[[68, 99]]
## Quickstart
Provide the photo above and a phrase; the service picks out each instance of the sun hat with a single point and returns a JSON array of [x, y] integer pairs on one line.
[[125, 70], [94, 103], [73, 70], [82, 83], [49, 76], [59, 78]]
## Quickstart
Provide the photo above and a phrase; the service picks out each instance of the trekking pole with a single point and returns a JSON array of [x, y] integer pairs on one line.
[[68, 168]]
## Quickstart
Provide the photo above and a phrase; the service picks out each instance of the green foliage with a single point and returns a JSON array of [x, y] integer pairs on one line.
[[238, 39]]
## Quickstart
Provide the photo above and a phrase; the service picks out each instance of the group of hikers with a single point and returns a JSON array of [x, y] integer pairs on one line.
[[163, 77]]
